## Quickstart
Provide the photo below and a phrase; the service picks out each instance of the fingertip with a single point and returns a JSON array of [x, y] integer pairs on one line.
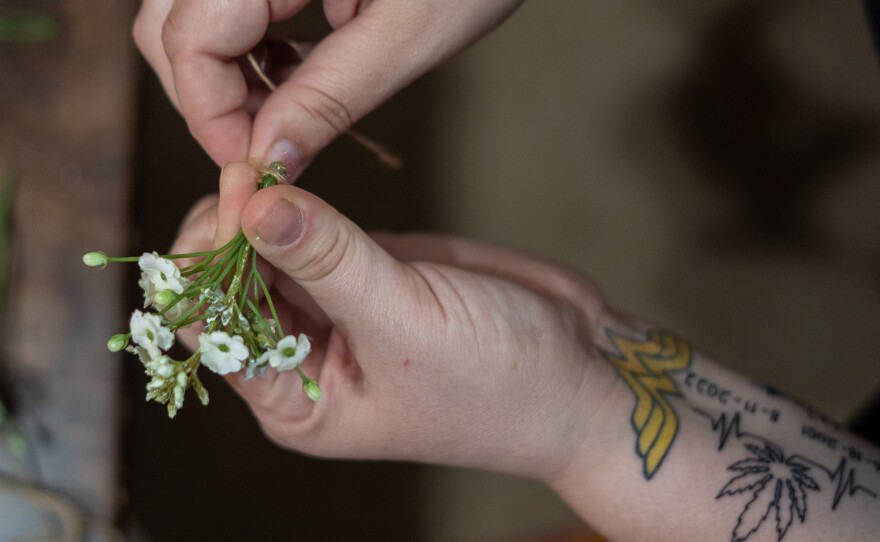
[[282, 226], [274, 216], [288, 153], [335, 262], [339, 12], [238, 182], [238, 177]]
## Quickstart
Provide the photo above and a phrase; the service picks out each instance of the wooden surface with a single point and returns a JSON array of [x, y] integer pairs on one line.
[[66, 109]]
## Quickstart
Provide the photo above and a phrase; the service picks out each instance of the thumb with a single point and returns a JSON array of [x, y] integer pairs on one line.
[[348, 74], [349, 276]]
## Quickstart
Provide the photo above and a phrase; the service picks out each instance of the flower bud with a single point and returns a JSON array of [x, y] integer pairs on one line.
[[178, 396], [165, 297], [118, 342], [202, 393], [155, 384], [312, 390], [96, 259]]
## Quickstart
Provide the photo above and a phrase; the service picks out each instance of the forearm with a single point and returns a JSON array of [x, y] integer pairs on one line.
[[692, 451]]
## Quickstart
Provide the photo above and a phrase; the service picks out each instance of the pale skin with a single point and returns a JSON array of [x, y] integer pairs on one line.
[[437, 349], [376, 48]]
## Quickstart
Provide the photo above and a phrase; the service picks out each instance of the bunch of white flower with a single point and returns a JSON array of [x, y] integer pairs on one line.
[[162, 284], [223, 290]]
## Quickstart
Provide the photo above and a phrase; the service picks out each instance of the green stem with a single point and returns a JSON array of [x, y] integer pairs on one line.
[[208, 257], [301, 374], [188, 319], [123, 259], [272, 337], [240, 265], [278, 331], [230, 263], [250, 280], [191, 364]]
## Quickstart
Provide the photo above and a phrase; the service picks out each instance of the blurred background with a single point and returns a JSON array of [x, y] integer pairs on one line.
[[712, 166]]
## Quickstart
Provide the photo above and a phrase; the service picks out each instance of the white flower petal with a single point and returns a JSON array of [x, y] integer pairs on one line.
[[147, 331], [290, 352], [159, 274], [221, 353]]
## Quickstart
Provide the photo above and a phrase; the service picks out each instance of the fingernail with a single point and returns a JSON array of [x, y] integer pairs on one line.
[[283, 225], [287, 153]]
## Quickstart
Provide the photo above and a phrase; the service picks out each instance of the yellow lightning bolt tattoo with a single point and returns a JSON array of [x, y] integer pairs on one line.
[[645, 366]]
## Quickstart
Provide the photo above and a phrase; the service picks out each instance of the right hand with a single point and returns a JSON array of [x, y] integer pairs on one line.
[[377, 47]]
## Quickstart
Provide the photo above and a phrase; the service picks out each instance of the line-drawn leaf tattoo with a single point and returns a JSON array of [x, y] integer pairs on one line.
[[778, 487]]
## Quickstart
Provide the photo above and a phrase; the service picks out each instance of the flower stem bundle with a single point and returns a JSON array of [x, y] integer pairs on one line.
[[222, 291]]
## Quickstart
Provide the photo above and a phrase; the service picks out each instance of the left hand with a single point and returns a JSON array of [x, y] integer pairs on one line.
[[427, 348]]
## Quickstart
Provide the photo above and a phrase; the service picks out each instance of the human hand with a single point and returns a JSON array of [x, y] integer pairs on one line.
[[426, 347], [435, 349], [377, 47]]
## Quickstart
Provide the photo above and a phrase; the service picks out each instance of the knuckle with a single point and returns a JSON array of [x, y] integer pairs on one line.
[[328, 257], [283, 429], [329, 112], [171, 35], [339, 12], [586, 301], [289, 436], [140, 31]]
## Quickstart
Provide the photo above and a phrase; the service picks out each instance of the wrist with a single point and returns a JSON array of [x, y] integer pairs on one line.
[[565, 412], [607, 407], [692, 440], [591, 412]]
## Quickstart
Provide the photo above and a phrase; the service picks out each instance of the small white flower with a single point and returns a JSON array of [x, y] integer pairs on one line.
[[221, 353], [147, 331], [290, 352], [147, 357], [159, 275], [162, 367], [157, 365], [168, 380]]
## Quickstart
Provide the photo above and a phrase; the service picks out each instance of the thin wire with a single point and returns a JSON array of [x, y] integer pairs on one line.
[[391, 160]]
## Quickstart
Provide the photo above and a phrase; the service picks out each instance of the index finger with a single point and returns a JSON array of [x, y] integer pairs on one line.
[[202, 39]]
